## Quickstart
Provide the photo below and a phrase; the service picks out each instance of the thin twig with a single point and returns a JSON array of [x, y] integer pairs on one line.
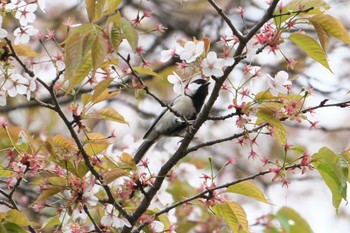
[[235, 32]]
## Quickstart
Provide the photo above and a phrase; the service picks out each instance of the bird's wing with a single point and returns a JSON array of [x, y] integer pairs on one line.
[[154, 123]]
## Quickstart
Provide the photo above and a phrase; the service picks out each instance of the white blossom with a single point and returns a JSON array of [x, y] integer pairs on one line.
[[166, 55], [16, 84], [11, 5], [25, 13], [157, 226], [3, 32], [212, 65], [2, 98], [112, 219], [176, 81], [191, 51], [31, 87], [278, 84], [24, 33]]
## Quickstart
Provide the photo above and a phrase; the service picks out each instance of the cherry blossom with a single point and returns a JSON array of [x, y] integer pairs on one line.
[[157, 226], [112, 219], [176, 81], [3, 32], [2, 98], [31, 87], [166, 55], [12, 5], [16, 84], [278, 84], [24, 33], [191, 51], [25, 13], [212, 65]]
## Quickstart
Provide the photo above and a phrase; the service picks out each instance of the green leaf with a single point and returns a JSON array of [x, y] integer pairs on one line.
[[90, 9], [112, 6], [311, 48], [94, 9], [129, 32], [17, 217], [45, 194], [234, 216], [146, 70], [318, 8], [248, 189], [10, 227], [99, 52], [334, 170], [81, 73], [292, 222], [50, 222], [115, 37], [332, 26], [266, 114]]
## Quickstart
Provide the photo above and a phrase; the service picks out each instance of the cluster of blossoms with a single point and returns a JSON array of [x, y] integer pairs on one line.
[[12, 84], [24, 13], [191, 55]]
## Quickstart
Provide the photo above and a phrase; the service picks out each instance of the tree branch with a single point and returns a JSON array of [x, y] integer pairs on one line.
[[203, 194]]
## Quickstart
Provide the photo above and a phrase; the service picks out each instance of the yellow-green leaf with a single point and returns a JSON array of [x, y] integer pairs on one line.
[[334, 170], [105, 95], [86, 98], [10, 227], [234, 216], [63, 142], [25, 51], [126, 158], [114, 174], [47, 193], [108, 114], [17, 217], [266, 114], [101, 87], [332, 26], [115, 37], [112, 6], [311, 48], [248, 189], [95, 143], [129, 32], [50, 222], [81, 73], [99, 7], [99, 52], [146, 70], [323, 36], [57, 181], [292, 222], [90, 9]]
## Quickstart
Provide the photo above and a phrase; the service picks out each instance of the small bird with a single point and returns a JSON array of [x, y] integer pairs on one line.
[[187, 105]]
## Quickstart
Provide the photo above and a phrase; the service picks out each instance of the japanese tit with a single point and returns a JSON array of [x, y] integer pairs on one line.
[[187, 105]]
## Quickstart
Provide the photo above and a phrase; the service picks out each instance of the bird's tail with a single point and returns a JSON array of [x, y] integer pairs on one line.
[[141, 151]]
